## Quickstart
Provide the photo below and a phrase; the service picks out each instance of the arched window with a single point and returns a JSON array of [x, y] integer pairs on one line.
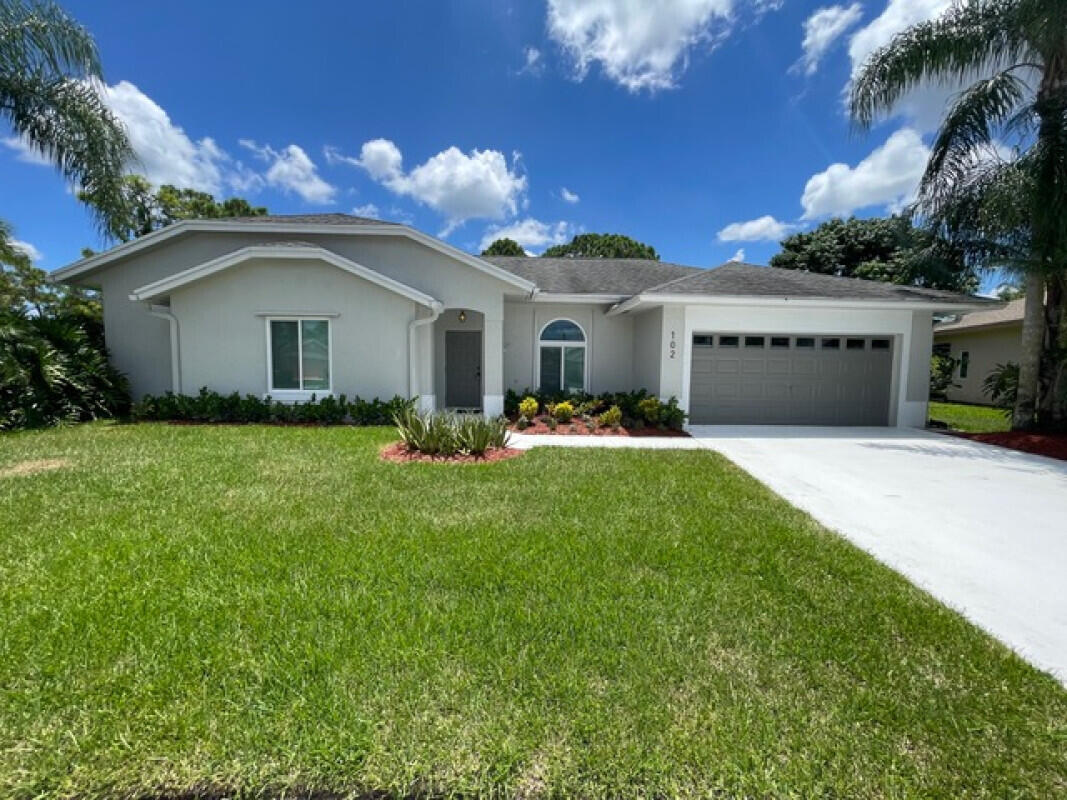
[[562, 357]]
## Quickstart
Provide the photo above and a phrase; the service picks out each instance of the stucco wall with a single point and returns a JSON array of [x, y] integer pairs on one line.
[[987, 348], [223, 330], [648, 328], [609, 344]]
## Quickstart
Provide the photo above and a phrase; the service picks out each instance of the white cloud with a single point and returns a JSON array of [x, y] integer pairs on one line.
[[822, 29], [366, 210], [529, 233], [887, 177], [638, 44], [31, 252], [568, 196], [765, 228], [461, 186], [24, 151], [533, 61], [739, 255], [291, 170]]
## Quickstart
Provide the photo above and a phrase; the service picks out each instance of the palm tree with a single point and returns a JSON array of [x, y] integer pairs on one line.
[[49, 72], [1022, 46]]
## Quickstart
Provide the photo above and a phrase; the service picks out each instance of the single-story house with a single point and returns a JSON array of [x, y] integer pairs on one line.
[[978, 342], [300, 305]]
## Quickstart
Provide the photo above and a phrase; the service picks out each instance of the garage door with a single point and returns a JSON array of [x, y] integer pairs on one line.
[[743, 379]]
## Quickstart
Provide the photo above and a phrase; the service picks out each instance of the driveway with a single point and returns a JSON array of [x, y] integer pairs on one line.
[[982, 528]]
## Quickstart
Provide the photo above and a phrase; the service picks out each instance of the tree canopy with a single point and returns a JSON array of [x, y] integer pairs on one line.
[[602, 245], [884, 249], [144, 210], [504, 247]]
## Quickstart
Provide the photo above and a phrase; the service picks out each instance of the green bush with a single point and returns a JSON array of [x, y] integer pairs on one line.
[[53, 370], [942, 368], [443, 434], [551, 423], [1001, 385], [528, 407], [611, 418], [563, 412], [210, 406], [648, 410]]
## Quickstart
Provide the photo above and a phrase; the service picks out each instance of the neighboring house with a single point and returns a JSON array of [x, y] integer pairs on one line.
[[293, 306], [977, 342]]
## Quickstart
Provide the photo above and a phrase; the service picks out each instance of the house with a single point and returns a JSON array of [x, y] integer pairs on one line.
[[295, 306], [978, 342]]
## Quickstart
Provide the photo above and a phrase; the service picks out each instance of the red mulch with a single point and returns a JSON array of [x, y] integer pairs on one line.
[[398, 453], [1053, 445], [577, 428]]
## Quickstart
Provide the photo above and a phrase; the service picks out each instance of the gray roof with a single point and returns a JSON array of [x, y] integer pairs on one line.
[[1007, 315], [615, 276], [734, 279], [308, 219]]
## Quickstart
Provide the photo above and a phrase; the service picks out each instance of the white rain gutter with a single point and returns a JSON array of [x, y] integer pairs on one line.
[[413, 368], [164, 312]]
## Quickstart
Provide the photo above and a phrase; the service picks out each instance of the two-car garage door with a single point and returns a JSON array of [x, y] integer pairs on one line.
[[740, 379]]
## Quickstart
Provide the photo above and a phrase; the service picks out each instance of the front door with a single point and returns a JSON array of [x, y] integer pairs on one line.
[[463, 369]]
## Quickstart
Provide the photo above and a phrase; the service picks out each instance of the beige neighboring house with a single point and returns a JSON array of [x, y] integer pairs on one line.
[[978, 342]]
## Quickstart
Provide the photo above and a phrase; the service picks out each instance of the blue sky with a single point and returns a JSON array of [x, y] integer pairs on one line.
[[707, 128]]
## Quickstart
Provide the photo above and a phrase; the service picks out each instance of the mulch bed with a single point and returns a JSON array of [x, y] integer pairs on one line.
[[1053, 445], [539, 428], [398, 453]]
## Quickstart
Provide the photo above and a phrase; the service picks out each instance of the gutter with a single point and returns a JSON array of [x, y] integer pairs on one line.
[[164, 312], [417, 322]]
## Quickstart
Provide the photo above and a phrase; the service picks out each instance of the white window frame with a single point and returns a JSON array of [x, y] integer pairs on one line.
[[562, 362], [299, 395]]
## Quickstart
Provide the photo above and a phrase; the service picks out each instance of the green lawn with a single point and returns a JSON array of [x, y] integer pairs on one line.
[[268, 608], [970, 419]]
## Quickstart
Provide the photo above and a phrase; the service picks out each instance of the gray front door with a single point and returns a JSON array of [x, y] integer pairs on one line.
[[463, 369], [758, 378]]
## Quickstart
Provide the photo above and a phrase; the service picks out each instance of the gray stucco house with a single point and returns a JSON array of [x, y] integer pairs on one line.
[[978, 342], [330, 303]]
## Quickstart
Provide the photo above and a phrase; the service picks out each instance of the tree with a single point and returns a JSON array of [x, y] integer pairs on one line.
[[1023, 45], [602, 245], [25, 288], [49, 69], [891, 250], [504, 247], [143, 210]]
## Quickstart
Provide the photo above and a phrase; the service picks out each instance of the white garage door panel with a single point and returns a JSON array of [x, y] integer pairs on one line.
[[798, 384]]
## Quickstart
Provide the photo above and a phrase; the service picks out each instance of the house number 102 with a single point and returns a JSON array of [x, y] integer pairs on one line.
[[673, 347]]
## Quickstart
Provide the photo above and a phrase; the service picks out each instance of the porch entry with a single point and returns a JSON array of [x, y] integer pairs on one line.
[[463, 369]]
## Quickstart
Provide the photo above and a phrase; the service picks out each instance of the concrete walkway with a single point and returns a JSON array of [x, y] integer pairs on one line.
[[982, 528]]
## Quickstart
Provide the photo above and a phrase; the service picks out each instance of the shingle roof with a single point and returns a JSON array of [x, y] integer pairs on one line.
[[308, 219], [1012, 312], [734, 279], [615, 276]]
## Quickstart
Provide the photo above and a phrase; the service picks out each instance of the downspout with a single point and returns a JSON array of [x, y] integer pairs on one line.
[[413, 326], [164, 312]]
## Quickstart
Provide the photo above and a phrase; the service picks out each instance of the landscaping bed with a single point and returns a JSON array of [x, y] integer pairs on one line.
[[540, 426], [400, 453], [1052, 445]]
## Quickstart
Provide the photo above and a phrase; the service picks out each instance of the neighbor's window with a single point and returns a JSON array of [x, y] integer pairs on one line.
[[299, 355], [965, 362], [562, 357]]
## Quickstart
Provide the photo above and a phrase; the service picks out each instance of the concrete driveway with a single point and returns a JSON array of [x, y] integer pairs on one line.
[[982, 528]]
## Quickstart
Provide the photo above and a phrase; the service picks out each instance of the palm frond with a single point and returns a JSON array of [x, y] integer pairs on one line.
[[42, 37], [969, 38]]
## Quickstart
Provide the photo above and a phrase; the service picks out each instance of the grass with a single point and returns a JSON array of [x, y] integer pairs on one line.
[[970, 419], [270, 609]]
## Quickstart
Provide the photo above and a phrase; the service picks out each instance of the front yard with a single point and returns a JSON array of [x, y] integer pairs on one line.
[[968, 418], [254, 608]]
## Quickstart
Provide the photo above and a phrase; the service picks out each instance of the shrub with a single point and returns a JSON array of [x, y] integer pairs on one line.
[[529, 407], [648, 409], [210, 406], [670, 415], [1002, 385], [611, 418], [444, 434], [551, 423], [522, 423], [563, 412], [942, 368]]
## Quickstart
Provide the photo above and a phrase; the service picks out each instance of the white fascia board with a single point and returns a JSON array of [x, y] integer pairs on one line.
[[790, 302], [156, 237], [559, 297], [162, 287]]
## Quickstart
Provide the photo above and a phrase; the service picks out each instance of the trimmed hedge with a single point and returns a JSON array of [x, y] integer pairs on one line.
[[209, 406]]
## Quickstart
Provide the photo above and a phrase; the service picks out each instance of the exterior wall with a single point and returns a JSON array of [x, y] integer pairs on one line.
[[223, 328], [911, 332], [648, 329], [987, 348], [139, 343], [609, 344]]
